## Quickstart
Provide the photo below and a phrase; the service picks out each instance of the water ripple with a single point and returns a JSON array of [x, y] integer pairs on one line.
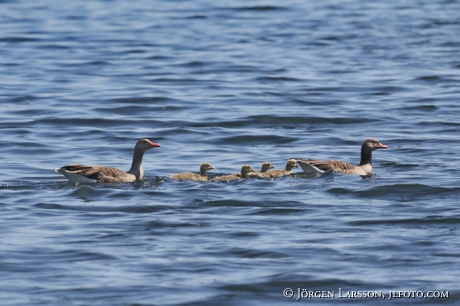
[[231, 84]]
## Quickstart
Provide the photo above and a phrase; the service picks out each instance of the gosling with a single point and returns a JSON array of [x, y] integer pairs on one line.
[[189, 176], [277, 173], [244, 174], [265, 167]]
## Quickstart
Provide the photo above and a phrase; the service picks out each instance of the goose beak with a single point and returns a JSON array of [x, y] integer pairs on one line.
[[154, 145], [382, 146]]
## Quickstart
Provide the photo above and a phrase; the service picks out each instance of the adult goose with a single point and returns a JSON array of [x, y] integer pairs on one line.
[[189, 176], [276, 173], [101, 174], [245, 169], [312, 166], [265, 167]]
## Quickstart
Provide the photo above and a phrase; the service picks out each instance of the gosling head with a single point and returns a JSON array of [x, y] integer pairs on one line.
[[245, 170], [291, 164], [266, 166], [204, 167]]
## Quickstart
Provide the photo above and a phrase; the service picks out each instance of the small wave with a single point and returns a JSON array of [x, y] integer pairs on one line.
[[227, 203], [429, 78], [78, 255], [255, 139], [260, 8], [424, 108], [168, 225], [18, 39], [283, 79], [133, 209], [408, 221], [286, 120], [23, 98], [140, 100], [396, 190]]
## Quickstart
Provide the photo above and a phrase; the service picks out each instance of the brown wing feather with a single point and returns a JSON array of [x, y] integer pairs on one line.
[[101, 174], [113, 175], [90, 172], [342, 167], [335, 165], [77, 168]]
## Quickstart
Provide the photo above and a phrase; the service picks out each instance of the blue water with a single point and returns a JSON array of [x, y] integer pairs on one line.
[[231, 83]]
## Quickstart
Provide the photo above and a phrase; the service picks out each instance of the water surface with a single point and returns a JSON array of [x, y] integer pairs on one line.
[[232, 84]]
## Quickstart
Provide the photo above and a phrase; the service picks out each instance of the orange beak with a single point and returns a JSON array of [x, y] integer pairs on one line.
[[382, 146], [154, 145]]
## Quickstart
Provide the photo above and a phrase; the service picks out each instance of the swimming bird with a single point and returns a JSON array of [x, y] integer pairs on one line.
[[102, 174], [265, 167], [288, 170], [245, 169], [189, 176], [312, 166]]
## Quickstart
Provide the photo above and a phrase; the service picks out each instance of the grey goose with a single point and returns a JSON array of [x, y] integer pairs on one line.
[[312, 166], [102, 174]]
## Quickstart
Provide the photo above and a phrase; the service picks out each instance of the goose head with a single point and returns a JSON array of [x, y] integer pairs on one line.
[[145, 144], [372, 144]]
